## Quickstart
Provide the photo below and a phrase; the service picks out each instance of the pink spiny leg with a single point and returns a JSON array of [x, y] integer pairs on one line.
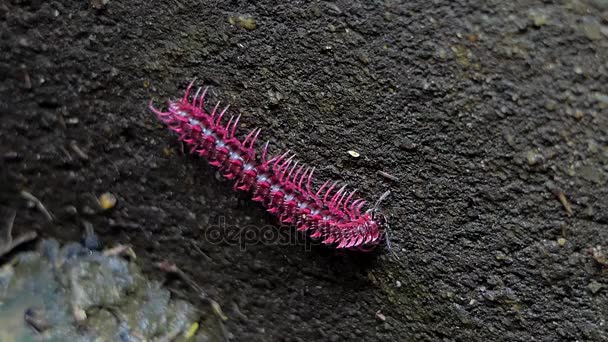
[[329, 240], [351, 209], [329, 191], [335, 197], [338, 204], [309, 180], [360, 240], [249, 136], [276, 202], [207, 145], [285, 169], [278, 159], [227, 128], [219, 118], [255, 137], [292, 170], [302, 178], [159, 114], [214, 111], [261, 191], [265, 152], [281, 170], [187, 93], [295, 177], [345, 242], [236, 123], [235, 167], [318, 193], [252, 135], [358, 208], [247, 179], [202, 99], [316, 234], [342, 243], [193, 104], [344, 208], [288, 211], [352, 242], [221, 155]]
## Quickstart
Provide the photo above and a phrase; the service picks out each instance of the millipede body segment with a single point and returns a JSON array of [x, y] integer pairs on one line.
[[280, 183]]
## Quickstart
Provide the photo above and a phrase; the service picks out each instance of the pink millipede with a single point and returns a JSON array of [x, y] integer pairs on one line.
[[329, 213]]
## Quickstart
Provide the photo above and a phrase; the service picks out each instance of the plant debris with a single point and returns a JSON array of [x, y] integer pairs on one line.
[[38, 204], [563, 200], [245, 22], [53, 292]]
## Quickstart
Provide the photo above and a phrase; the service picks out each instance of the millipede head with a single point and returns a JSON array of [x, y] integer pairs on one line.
[[380, 218]]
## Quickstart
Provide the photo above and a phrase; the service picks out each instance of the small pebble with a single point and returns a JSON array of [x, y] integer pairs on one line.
[[79, 314], [380, 316], [363, 59], [99, 4], [107, 201], [595, 287], [354, 154], [407, 145], [534, 158], [592, 29], [12, 156], [243, 22], [538, 19], [561, 242], [72, 121], [71, 210]]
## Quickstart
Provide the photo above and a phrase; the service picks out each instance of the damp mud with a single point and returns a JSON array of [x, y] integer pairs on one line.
[[487, 121]]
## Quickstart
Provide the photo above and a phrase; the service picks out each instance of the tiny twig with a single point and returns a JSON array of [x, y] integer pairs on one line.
[[38, 204], [198, 249], [388, 175], [563, 200], [169, 267], [78, 151]]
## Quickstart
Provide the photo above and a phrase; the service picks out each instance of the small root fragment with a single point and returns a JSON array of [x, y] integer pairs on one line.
[[563, 200], [38, 204], [388, 176], [79, 152], [120, 250]]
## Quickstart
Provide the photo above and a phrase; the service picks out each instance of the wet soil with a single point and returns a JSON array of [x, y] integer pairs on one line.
[[490, 116]]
